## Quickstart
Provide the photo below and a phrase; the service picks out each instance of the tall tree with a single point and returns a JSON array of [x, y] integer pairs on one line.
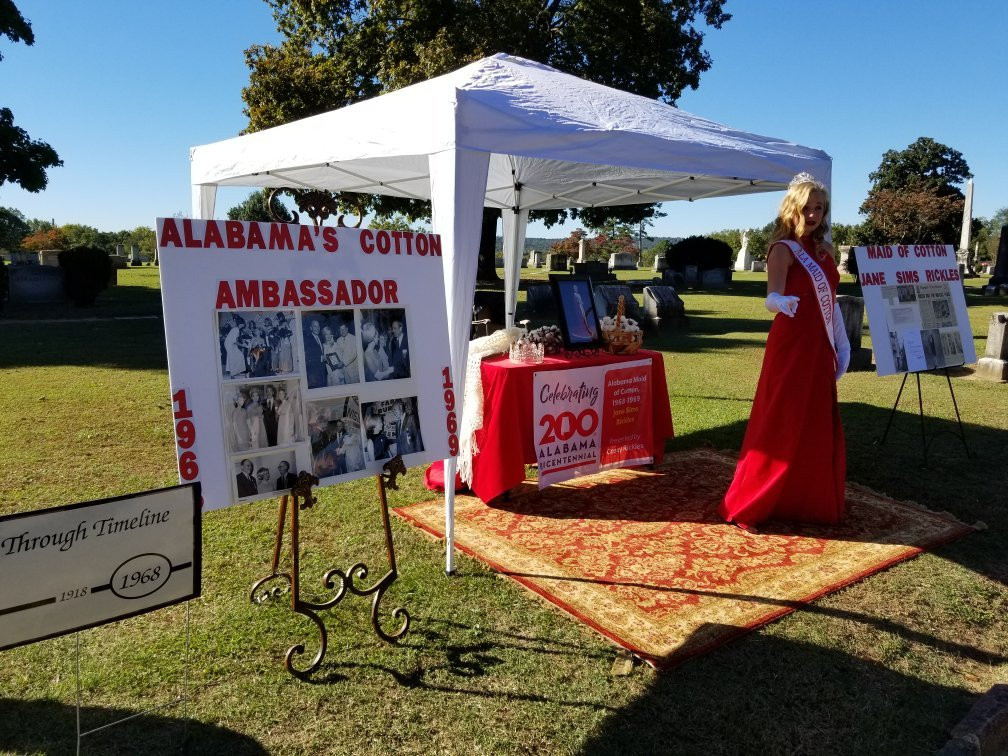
[[915, 194], [23, 161], [337, 52], [13, 228]]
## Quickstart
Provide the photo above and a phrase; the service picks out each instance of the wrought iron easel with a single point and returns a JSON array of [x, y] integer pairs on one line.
[[925, 443], [334, 579]]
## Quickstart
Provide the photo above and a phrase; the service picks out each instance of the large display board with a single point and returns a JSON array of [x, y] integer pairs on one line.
[[299, 348], [916, 307]]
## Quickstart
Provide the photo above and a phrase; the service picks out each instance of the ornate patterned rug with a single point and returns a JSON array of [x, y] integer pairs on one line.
[[642, 557]]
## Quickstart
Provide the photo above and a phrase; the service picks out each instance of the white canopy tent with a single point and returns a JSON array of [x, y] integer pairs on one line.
[[508, 133]]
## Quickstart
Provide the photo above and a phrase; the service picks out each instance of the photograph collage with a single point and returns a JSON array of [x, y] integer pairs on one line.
[[923, 330], [328, 388]]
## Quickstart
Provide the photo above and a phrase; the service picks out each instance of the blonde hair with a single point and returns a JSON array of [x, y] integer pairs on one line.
[[790, 223]]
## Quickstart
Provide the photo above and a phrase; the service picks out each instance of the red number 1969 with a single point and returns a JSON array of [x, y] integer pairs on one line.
[[451, 421]]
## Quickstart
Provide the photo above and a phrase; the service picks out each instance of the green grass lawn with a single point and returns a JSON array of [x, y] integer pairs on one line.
[[888, 665]]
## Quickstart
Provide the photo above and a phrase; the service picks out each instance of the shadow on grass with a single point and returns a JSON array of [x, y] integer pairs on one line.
[[829, 702], [50, 727], [126, 344], [116, 301]]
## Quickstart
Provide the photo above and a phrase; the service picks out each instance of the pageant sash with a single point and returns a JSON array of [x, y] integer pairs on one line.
[[824, 297]]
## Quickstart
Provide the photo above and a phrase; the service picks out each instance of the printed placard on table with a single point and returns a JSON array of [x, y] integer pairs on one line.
[[297, 348], [591, 418], [82, 565], [916, 307]]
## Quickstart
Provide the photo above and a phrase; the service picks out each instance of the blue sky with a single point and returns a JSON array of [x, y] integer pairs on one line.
[[122, 90]]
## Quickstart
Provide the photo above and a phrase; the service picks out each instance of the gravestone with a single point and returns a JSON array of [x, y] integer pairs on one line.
[[607, 300], [993, 366], [49, 257], [691, 274], [536, 259], [846, 255], [1000, 274], [664, 308], [673, 278], [852, 311], [539, 300], [758, 266], [135, 258], [744, 259], [622, 261], [556, 262], [715, 278], [660, 264], [582, 252], [35, 285], [596, 270]]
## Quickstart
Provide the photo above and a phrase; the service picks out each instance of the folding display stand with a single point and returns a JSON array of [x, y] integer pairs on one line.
[[925, 443], [334, 579]]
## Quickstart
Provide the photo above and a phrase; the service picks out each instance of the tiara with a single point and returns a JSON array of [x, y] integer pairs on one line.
[[806, 178]]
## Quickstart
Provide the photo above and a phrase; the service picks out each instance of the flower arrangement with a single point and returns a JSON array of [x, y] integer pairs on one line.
[[622, 335]]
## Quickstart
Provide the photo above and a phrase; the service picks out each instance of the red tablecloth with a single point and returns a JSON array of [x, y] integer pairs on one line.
[[505, 441]]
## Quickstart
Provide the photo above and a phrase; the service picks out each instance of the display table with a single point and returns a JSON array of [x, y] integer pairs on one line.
[[505, 441]]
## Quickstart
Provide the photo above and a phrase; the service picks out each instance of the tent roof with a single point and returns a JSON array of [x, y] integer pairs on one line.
[[564, 141]]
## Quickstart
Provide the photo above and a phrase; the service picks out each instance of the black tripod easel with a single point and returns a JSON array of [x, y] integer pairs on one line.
[[925, 443]]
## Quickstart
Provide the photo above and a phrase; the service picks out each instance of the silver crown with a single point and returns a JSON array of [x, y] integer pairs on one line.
[[806, 178]]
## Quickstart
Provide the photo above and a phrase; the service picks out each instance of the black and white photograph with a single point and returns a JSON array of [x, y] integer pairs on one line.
[[256, 344], [332, 357], [385, 340], [334, 429], [261, 415], [898, 352], [934, 354], [258, 475], [391, 427]]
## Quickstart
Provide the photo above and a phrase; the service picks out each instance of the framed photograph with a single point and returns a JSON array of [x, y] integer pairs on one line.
[[579, 322]]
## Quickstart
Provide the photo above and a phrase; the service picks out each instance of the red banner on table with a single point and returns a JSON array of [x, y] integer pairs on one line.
[[590, 419]]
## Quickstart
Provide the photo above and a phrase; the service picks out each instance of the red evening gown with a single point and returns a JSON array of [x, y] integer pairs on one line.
[[793, 460]]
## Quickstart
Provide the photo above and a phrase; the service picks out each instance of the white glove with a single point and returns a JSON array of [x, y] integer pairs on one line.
[[841, 341], [785, 305]]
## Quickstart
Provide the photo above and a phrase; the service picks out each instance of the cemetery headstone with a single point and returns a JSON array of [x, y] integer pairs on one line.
[[1000, 274], [758, 266], [49, 257], [607, 300], [660, 264], [852, 310], [664, 308], [622, 261], [993, 366], [539, 300], [691, 274], [35, 285], [714, 278], [556, 262], [744, 259], [135, 258], [536, 259]]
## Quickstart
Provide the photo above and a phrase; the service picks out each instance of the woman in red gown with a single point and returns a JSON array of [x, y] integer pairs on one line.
[[793, 460]]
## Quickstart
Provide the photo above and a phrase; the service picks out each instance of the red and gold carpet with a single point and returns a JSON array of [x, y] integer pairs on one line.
[[642, 557]]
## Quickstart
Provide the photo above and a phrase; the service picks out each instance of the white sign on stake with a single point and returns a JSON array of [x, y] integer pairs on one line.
[[297, 348], [916, 307], [83, 565]]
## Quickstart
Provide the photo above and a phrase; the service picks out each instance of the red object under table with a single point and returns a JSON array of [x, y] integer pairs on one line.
[[505, 441]]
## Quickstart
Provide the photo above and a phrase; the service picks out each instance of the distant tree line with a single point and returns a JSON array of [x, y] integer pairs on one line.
[[18, 233]]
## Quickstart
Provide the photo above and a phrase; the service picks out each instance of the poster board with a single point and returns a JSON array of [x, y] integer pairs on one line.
[[83, 565], [590, 419], [916, 307], [297, 348]]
